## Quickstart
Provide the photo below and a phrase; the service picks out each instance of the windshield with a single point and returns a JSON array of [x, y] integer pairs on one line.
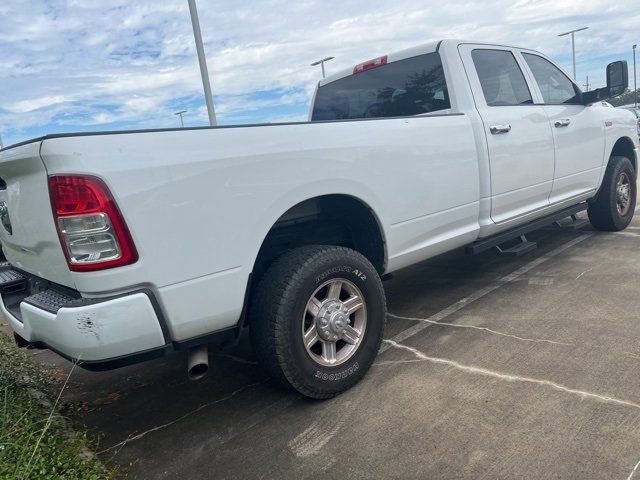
[[406, 87]]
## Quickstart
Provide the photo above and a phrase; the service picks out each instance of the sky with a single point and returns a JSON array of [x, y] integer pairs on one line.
[[89, 65]]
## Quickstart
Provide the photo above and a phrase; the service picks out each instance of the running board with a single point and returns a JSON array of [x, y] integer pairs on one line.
[[573, 225], [524, 246], [520, 248]]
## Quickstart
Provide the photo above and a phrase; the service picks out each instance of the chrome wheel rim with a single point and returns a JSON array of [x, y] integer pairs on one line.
[[334, 322], [623, 194]]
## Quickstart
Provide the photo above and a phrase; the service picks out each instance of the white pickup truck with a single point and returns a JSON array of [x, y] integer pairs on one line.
[[124, 245]]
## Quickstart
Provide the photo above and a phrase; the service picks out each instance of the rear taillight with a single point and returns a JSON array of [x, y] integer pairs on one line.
[[368, 65], [91, 228]]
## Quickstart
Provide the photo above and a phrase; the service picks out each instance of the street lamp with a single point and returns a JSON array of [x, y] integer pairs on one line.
[[635, 87], [573, 45], [321, 63], [180, 113], [204, 72]]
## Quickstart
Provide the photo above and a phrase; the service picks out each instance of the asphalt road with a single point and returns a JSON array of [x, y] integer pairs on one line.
[[533, 373]]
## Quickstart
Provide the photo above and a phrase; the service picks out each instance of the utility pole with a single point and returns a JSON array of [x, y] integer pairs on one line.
[[573, 45], [635, 86], [204, 72], [321, 63], [1, 145], [586, 85], [180, 113]]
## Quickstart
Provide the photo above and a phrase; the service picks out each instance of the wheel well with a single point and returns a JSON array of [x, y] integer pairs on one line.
[[327, 220], [624, 147]]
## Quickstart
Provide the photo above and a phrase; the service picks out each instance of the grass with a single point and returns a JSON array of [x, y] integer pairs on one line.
[[35, 442]]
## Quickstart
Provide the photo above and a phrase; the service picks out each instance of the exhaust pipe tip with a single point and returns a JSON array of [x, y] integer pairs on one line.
[[198, 371], [198, 362]]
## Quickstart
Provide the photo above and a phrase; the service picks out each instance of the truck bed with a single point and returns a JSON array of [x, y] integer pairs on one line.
[[199, 202]]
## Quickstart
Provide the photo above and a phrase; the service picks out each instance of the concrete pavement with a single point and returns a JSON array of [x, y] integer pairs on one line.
[[532, 373]]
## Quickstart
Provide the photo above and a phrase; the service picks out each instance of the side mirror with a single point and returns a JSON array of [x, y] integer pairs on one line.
[[617, 83], [617, 78]]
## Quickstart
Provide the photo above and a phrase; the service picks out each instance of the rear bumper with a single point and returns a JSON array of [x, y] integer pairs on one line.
[[100, 333]]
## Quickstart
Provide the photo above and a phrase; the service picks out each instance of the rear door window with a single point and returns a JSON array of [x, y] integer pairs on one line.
[[554, 85], [501, 79], [405, 87]]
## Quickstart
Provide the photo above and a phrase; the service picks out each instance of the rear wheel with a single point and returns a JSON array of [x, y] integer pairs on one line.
[[317, 319], [615, 204]]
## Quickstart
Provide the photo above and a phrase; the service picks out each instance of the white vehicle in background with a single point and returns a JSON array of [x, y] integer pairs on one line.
[[124, 245]]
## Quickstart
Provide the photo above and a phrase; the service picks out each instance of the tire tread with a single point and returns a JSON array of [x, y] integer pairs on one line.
[[275, 291], [602, 212]]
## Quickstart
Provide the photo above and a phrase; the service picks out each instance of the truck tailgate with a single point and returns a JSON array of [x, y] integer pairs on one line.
[[27, 230]]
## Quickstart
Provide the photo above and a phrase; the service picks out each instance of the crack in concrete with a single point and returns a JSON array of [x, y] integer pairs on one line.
[[633, 471], [398, 362], [459, 305], [182, 417], [586, 271], [513, 378], [475, 327], [242, 426]]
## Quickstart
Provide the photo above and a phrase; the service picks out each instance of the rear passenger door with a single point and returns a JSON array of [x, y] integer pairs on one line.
[[518, 134], [578, 131]]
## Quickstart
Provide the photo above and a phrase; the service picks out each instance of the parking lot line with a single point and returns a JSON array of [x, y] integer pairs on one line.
[[460, 304]]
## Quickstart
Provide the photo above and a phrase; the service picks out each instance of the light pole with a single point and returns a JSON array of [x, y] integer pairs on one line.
[[321, 63], [573, 45], [635, 87], [204, 72], [180, 113]]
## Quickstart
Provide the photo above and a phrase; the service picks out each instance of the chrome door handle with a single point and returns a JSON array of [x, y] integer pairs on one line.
[[563, 122], [496, 129]]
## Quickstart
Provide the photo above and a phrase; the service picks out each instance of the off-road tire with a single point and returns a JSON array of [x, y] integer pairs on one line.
[[603, 211], [277, 307]]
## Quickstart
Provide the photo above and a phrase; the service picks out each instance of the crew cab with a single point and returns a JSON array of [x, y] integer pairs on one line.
[[125, 245]]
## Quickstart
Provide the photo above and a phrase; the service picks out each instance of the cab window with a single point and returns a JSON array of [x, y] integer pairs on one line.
[[412, 86], [555, 86], [501, 79]]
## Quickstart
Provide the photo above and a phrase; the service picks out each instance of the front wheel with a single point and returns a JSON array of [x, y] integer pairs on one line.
[[317, 319], [615, 204]]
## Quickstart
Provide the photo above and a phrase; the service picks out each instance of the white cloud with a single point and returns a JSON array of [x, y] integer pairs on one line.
[[29, 105], [82, 63]]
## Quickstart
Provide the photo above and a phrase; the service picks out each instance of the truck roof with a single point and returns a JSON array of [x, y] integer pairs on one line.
[[429, 47]]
